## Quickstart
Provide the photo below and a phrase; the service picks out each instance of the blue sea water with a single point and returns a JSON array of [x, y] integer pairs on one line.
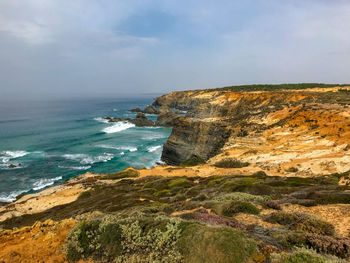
[[51, 141]]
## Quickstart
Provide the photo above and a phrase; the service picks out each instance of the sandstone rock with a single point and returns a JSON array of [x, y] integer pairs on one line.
[[150, 110]]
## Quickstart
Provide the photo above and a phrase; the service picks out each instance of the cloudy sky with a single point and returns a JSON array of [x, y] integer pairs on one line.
[[90, 48]]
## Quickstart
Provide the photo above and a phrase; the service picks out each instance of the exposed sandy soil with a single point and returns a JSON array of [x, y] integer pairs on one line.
[[48, 198], [315, 141], [43, 242]]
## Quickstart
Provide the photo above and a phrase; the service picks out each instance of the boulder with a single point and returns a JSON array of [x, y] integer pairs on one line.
[[165, 117], [141, 120], [150, 110], [136, 110]]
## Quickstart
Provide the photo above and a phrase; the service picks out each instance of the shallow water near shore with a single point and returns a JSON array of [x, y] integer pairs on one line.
[[49, 142]]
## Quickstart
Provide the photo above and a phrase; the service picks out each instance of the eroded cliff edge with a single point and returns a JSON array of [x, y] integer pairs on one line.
[[304, 131]]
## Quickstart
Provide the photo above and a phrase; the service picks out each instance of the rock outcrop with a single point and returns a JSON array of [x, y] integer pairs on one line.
[[284, 132], [165, 117], [194, 138], [140, 121], [150, 109], [136, 110]]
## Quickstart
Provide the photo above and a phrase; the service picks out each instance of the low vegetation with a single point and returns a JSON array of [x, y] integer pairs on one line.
[[193, 161], [201, 212], [230, 163], [156, 239]]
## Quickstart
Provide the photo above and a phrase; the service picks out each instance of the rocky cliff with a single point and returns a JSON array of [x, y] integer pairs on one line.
[[278, 131], [265, 177]]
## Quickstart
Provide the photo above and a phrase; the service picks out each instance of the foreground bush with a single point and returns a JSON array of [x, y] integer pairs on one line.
[[303, 255], [239, 207], [230, 163], [302, 222], [339, 247], [203, 244], [125, 240], [146, 239], [245, 197]]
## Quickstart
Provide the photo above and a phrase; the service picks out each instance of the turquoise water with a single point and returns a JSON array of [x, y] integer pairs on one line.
[[52, 141]]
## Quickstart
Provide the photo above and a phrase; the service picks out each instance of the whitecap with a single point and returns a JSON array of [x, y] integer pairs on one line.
[[87, 159], [78, 168], [118, 127], [100, 119], [11, 196], [125, 148], [154, 136], [42, 183], [152, 149], [9, 155]]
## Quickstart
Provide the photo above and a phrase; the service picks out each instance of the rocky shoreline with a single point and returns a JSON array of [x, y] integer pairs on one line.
[[268, 169]]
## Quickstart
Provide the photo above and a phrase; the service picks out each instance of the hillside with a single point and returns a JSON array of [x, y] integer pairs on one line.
[[251, 174]]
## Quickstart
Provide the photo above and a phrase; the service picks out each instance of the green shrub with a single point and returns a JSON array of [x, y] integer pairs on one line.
[[162, 193], [300, 255], [302, 222], [125, 240], [230, 163], [129, 173], [180, 182], [205, 244], [193, 161], [239, 207], [239, 196]]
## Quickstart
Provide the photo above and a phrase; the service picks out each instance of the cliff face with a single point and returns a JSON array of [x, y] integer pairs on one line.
[[279, 132], [194, 138]]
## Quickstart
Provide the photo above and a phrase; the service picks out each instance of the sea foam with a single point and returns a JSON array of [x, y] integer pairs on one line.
[[11, 196], [42, 183], [77, 168], [87, 159], [118, 127], [154, 148], [125, 148], [100, 119]]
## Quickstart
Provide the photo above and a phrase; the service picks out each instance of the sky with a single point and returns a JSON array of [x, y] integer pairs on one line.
[[105, 48]]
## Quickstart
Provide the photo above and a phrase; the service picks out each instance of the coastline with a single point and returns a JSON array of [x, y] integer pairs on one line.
[[236, 162]]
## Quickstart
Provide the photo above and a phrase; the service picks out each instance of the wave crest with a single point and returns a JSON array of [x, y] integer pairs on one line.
[[42, 183], [118, 127], [87, 159]]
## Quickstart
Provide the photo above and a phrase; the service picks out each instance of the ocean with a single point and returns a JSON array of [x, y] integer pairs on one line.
[[51, 141]]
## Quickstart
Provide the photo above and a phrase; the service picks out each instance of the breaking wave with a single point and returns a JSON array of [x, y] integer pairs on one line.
[[77, 168], [42, 183], [118, 127], [154, 148], [87, 159]]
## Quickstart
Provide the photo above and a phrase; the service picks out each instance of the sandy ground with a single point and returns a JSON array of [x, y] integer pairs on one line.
[[43, 242]]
